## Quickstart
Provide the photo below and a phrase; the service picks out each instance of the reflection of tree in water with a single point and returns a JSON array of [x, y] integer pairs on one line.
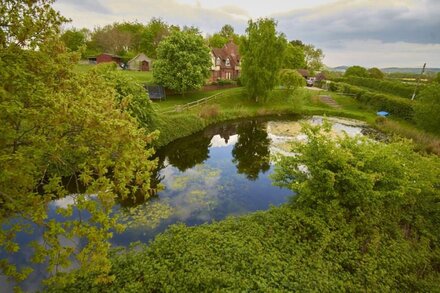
[[187, 152], [251, 152]]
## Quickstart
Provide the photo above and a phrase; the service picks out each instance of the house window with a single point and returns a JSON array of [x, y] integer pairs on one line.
[[228, 75], [217, 61], [228, 63]]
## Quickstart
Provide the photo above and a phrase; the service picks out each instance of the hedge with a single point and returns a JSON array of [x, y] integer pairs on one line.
[[385, 86], [399, 107]]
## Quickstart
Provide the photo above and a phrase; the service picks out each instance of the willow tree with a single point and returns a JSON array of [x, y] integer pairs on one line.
[[57, 124], [262, 54]]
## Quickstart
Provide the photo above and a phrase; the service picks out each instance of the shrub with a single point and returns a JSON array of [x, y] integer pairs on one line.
[[427, 111], [356, 71], [209, 111], [399, 107], [386, 86]]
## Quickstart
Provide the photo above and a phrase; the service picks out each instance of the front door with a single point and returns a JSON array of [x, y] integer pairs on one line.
[[145, 66]]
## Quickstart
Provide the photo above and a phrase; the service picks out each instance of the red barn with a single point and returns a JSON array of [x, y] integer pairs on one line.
[[105, 57]]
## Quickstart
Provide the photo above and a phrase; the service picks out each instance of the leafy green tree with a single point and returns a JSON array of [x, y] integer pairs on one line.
[[14, 14], [428, 108], [262, 54], [111, 39], [295, 57], [136, 31], [57, 123], [74, 39], [226, 33], [251, 152], [356, 70], [155, 31], [183, 62], [375, 73], [291, 79], [314, 58], [216, 41]]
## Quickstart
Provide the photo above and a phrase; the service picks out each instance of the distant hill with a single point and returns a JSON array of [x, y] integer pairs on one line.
[[391, 69], [408, 70]]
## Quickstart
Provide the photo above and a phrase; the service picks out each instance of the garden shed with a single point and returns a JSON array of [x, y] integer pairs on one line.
[[141, 62]]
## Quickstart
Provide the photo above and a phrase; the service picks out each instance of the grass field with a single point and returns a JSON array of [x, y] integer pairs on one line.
[[145, 77]]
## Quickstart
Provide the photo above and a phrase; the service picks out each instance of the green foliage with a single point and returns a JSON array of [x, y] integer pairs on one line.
[[376, 73], [356, 70], [226, 33], [217, 41], [393, 87], [291, 79], [155, 31], [364, 218], [130, 95], [74, 39], [399, 107], [262, 53], [427, 111], [295, 57], [314, 58], [57, 123], [437, 78], [183, 62], [22, 25], [251, 158]]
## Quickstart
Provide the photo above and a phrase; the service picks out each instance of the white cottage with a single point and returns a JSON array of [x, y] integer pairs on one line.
[[141, 62]]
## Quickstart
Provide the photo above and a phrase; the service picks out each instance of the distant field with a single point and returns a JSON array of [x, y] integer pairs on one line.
[[141, 76]]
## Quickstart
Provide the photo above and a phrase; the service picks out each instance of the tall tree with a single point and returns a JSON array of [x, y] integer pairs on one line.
[[57, 123], [313, 56], [73, 39], [183, 61], [375, 73], [295, 57], [155, 31], [356, 70], [111, 39], [428, 108], [221, 38], [262, 54]]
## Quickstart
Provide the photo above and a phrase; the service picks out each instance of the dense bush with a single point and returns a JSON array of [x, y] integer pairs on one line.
[[427, 111], [385, 86], [399, 107], [365, 218], [356, 71]]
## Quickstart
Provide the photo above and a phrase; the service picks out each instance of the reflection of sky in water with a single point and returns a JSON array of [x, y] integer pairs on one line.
[[211, 190]]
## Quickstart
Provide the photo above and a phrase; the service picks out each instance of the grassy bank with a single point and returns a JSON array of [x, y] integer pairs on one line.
[[234, 104]]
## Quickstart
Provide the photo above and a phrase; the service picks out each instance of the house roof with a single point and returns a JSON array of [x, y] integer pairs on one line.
[[140, 57], [229, 51], [111, 55], [303, 72]]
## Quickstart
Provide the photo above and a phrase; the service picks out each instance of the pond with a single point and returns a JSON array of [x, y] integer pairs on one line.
[[221, 171]]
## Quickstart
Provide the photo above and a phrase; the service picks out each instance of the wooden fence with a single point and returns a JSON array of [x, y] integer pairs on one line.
[[190, 105]]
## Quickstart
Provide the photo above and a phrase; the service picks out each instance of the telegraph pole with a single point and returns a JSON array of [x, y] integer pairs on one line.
[[418, 81]]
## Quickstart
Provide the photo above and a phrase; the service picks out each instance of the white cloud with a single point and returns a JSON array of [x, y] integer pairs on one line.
[[365, 32]]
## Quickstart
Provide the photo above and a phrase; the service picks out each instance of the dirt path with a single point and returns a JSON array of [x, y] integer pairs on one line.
[[329, 101]]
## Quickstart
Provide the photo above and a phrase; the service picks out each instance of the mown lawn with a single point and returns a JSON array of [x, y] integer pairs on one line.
[[145, 77]]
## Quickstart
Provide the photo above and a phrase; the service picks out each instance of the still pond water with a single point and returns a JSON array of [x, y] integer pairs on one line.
[[221, 171]]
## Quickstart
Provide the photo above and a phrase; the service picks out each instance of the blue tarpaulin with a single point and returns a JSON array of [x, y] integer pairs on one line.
[[383, 113]]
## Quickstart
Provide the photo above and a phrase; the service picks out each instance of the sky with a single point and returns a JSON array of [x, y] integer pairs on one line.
[[370, 33]]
